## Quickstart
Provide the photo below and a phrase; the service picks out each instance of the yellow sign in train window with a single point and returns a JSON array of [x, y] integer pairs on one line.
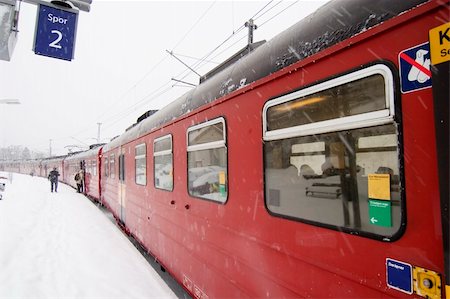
[[440, 44], [379, 186], [222, 178]]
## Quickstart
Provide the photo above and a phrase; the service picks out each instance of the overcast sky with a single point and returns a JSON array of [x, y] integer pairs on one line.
[[121, 68]]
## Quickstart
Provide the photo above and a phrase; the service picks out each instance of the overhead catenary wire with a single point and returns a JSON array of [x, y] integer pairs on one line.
[[201, 64], [111, 106], [198, 64], [133, 107], [127, 113], [235, 32], [134, 86], [164, 88], [195, 24], [254, 16], [195, 58], [270, 9], [206, 56], [274, 16], [166, 56], [154, 67]]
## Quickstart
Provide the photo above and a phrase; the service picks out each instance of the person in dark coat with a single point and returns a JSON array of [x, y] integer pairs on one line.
[[53, 177], [79, 176]]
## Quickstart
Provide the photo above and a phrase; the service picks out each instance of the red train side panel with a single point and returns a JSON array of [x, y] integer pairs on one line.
[[233, 240]]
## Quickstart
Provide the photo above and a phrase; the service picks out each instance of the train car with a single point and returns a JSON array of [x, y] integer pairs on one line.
[[112, 181], [30, 167], [89, 161], [114, 178], [307, 168], [73, 163], [10, 166]]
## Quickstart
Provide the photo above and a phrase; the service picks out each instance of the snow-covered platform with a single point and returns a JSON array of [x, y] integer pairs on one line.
[[61, 245]]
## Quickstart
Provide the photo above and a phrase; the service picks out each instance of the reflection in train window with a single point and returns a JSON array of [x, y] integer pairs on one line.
[[163, 163], [345, 174], [207, 161], [112, 169], [140, 164], [352, 98]]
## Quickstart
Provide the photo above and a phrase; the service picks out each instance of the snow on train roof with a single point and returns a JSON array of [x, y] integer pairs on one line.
[[332, 23], [88, 153]]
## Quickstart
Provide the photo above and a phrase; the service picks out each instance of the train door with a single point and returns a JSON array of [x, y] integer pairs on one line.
[[122, 187], [100, 167], [440, 74], [82, 167]]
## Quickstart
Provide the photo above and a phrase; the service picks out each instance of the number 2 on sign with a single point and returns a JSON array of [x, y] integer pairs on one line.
[[55, 44]]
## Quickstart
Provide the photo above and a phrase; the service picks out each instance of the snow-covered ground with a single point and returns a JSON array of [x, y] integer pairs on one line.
[[60, 245]]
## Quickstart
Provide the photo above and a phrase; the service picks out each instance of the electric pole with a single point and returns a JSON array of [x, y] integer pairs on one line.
[[251, 26], [50, 148]]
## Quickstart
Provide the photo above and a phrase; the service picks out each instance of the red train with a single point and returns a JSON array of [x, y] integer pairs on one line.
[[307, 168]]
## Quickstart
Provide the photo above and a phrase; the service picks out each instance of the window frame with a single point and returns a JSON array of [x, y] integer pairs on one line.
[[208, 146], [162, 153], [373, 118], [136, 157], [359, 121]]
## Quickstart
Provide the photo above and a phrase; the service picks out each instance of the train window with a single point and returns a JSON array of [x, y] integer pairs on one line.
[[328, 147], [122, 167], [344, 102], [106, 167], [163, 163], [112, 169], [207, 160], [94, 167], [141, 164]]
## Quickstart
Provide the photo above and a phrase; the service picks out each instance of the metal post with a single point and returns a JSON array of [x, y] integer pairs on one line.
[[173, 55], [251, 27]]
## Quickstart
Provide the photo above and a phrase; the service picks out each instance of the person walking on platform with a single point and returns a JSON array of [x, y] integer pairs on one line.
[[53, 177], [79, 180]]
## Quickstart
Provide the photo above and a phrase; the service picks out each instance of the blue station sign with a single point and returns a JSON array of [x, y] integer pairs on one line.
[[55, 32]]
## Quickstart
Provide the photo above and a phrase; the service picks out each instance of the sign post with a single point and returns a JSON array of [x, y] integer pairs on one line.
[[55, 32]]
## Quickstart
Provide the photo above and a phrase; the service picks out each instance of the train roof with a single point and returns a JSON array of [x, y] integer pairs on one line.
[[92, 151], [332, 23], [52, 159]]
